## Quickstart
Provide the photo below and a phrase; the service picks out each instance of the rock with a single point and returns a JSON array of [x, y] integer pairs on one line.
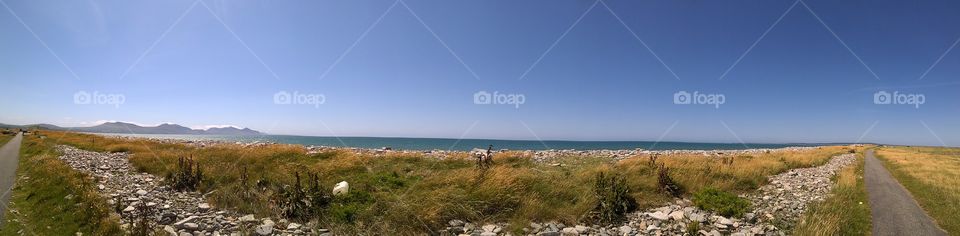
[[488, 234], [129, 209], [652, 227], [725, 221], [101, 187], [676, 215], [203, 207], [264, 230], [625, 229], [569, 231], [455, 223], [268, 222], [293, 226], [190, 219], [170, 230], [341, 188], [141, 192], [190, 226], [248, 218], [548, 233], [697, 217], [582, 229], [659, 215], [489, 228]]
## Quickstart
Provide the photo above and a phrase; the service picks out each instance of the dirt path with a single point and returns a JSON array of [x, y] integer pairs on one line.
[[9, 154], [893, 209]]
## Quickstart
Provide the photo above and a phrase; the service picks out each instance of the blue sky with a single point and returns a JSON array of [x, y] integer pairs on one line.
[[587, 70]]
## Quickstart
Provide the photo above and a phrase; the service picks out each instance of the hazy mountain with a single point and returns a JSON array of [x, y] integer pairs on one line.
[[128, 128]]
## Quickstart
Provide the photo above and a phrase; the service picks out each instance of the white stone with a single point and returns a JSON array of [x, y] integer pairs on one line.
[[676, 215], [341, 188], [659, 215]]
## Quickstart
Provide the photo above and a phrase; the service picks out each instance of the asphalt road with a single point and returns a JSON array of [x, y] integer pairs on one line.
[[9, 155], [893, 209]]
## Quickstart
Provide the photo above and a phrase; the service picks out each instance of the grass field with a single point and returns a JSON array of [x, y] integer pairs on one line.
[[845, 212], [50, 198], [407, 194], [932, 175]]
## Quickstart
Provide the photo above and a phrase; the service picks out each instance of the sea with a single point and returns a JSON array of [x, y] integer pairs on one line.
[[468, 144]]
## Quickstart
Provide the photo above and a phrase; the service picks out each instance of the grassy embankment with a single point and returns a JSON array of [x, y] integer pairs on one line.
[[50, 198], [845, 212], [932, 175], [404, 194]]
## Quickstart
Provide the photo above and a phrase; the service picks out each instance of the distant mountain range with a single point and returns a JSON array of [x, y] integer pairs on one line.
[[128, 128]]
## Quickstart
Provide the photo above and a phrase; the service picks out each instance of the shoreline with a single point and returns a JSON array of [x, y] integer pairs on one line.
[[537, 154]]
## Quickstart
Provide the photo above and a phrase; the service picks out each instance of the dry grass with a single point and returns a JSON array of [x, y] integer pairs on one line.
[[932, 175], [845, 212], [409, 194]]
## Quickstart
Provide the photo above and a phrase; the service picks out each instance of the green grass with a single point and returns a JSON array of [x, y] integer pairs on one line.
[[722, 202], [414, 194], [932, 175], [845, 212], [50, 198]]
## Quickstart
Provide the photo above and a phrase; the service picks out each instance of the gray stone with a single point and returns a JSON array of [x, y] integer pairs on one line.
[[248, 218], [659, 215], [203, 207], [676, 215], [264, 230], [548, 233]]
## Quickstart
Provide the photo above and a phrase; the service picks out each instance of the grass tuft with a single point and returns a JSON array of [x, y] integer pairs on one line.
[[724, 203]]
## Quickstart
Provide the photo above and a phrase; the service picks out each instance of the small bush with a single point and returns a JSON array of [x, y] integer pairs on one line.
[[297, 202], [187, 176], [613, 199], [666, 184], [724, 203]]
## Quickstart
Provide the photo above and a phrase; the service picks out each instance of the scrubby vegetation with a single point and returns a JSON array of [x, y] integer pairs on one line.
[[613, 199], [722, 202], [411, 193], [187, 176]]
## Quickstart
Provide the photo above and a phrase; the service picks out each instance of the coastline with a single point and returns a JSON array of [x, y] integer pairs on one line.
[[539, 155]]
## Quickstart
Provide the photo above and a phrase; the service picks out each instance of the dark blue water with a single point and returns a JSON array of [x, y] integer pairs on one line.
[[467, 144]]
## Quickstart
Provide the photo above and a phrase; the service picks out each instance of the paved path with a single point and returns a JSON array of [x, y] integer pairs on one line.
[[9, 155], [893, 209]]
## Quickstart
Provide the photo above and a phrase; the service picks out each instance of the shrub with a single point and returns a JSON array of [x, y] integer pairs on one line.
[[187, 176], [724, 203], [666, 184], [613, 199], [297, 202]]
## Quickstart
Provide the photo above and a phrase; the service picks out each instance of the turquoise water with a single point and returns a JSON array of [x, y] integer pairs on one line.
[[467, 144]]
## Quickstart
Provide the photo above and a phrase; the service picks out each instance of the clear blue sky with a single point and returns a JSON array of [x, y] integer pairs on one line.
[[221, 62]]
